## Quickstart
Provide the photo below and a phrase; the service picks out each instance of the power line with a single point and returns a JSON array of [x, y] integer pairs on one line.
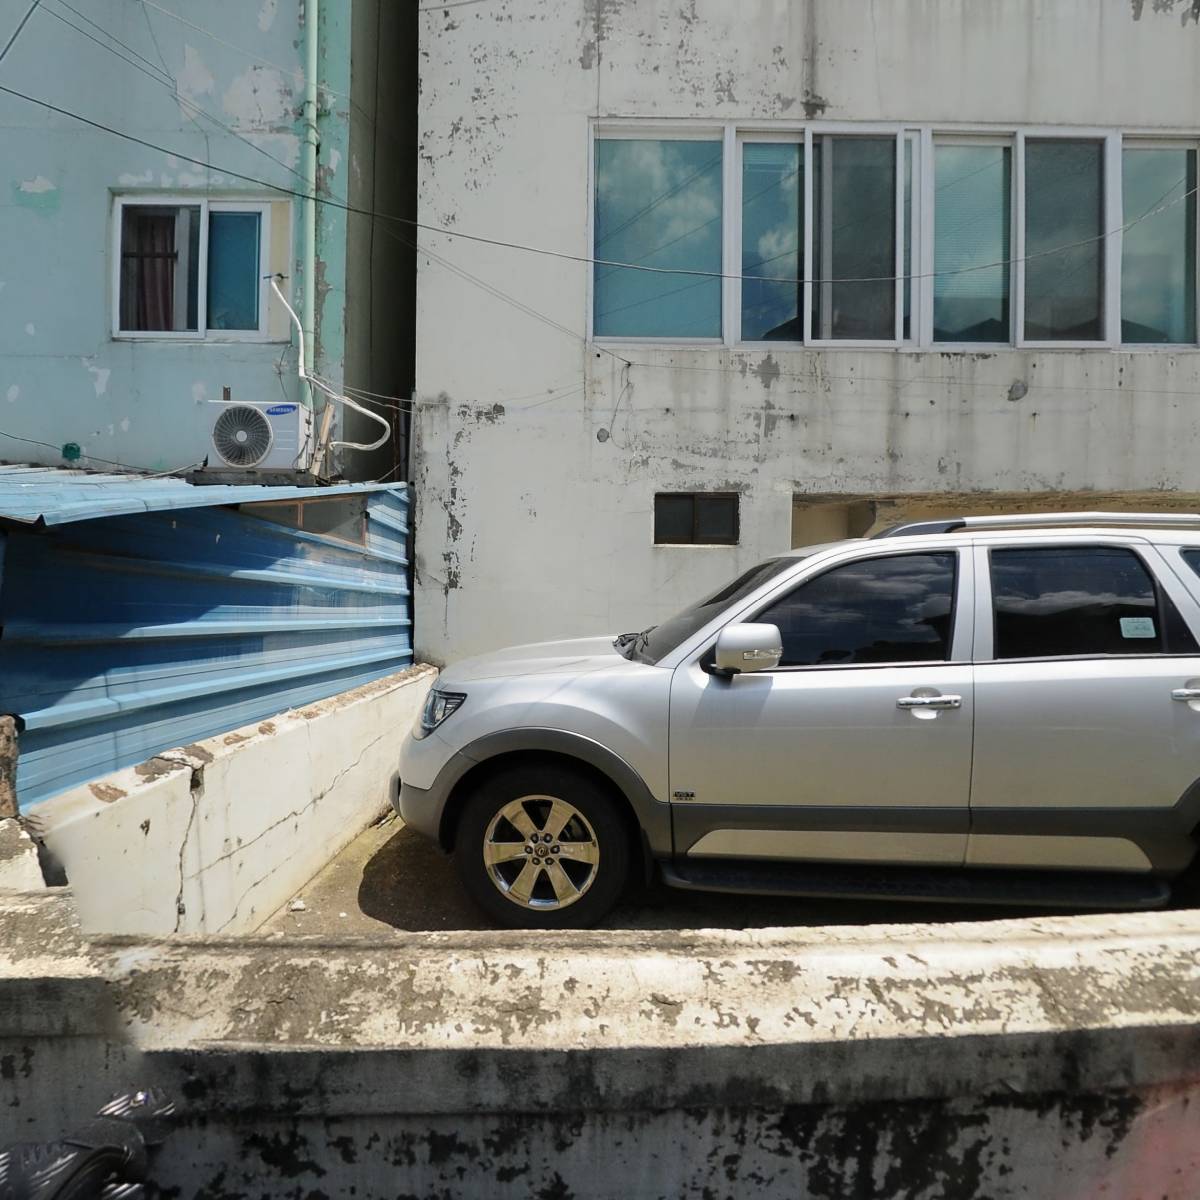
[[16, 33], [450, 4], [561, 255], [162, 77]]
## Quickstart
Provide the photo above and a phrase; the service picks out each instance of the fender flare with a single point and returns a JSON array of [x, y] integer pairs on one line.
[[654, 816]]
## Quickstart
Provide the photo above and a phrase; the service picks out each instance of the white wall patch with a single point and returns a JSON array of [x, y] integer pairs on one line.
[[37, 186], [130, 180], [124, 424], [13, 393], [266, 14], [99, 379], [199, 392], [30, 328], [195, 80], [258, 96]]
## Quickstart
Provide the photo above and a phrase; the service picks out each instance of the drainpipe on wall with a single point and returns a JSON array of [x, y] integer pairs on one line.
[[312, 141], [309, 169]]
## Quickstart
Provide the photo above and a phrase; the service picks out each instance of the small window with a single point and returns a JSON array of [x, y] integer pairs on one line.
[[696, 518], [658, 204], [340, 517], [192, 269], [1056, 602], [879, 610], [160, 267]]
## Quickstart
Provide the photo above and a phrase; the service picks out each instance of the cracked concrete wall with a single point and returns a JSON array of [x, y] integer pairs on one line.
[[1045, 1059], [216, 836], [537, 455]]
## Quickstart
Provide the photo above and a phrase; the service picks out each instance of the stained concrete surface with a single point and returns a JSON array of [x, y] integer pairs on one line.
[[391, 880]]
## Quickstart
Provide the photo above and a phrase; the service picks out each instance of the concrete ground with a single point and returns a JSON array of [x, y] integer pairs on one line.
[[389, 880]]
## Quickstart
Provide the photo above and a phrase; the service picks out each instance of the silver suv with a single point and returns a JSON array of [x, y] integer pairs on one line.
[[984, 709]]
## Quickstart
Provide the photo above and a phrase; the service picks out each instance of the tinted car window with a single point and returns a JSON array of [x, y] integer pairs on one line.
[[879, 610], [1056, 601], [662, 639]]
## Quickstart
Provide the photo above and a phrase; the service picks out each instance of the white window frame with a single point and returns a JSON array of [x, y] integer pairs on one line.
[[1143, 142], [207, 205], [924, 139], [1110, 220]]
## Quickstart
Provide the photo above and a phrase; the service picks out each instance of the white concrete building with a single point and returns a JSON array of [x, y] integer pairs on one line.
[[878, 257]]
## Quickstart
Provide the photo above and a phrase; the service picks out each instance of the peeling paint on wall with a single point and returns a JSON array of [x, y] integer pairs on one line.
[[38, 194], [258, 97]]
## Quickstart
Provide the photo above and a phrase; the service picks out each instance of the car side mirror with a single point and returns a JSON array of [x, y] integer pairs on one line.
[[742, 648]]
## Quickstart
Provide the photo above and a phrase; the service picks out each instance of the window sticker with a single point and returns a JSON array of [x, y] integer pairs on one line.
[[1137, 627]]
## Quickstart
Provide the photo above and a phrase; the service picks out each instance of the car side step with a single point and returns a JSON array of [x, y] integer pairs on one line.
[[1038, 889]]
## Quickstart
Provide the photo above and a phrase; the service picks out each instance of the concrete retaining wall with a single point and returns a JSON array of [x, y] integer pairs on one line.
[[215, 836], [1055, 1058]]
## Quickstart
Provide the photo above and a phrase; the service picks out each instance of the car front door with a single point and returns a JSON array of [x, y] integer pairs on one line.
[[857, 747], [1087, 707]]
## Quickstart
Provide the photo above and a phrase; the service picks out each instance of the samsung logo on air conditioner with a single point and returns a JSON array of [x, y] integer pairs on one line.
[[278, 410]]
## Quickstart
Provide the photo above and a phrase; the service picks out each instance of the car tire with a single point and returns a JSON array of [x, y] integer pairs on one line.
[[542, 847]]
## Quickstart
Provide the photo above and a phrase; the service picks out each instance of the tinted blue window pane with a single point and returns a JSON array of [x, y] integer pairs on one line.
[[971, 224], [233, 270], [1158, 254], [772, 242], [658, 204]]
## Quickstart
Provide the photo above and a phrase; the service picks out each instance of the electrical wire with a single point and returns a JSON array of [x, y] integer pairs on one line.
[[16, 33], [562, 255], [108, 462], [164, 78], [451, 4]]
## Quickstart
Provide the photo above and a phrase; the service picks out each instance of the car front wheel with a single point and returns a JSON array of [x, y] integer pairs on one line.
[[542, 848]]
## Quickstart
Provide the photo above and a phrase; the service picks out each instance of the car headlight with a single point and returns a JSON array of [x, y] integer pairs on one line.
[[438, 706]]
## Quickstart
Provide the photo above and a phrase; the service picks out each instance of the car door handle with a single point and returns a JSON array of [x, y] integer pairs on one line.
[[929, 702], [1186, 694]]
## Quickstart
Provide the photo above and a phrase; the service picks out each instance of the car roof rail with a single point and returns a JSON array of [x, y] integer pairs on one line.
[[1043, 521]]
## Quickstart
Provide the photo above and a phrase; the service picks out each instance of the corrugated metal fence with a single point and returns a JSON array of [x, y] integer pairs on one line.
[[127, 635]]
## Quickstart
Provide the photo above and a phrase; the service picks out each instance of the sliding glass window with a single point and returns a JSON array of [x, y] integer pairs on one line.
[[1158, 247], [971, 238], [772, 242], [854, 238], [658, 205], [1064, 240]]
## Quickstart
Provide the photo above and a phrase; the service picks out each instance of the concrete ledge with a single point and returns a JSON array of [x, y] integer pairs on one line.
[[215, 836], [1011, 1058]]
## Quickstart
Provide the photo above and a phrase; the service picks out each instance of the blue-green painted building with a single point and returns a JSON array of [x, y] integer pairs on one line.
[[136, 244]]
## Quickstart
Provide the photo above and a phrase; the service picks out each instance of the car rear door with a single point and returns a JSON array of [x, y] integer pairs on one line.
[[1086, 741], [858, 746]]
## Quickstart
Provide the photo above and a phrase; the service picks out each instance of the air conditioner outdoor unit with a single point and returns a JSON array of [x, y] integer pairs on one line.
[[261, 437]]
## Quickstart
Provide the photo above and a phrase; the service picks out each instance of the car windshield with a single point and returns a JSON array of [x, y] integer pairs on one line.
[[659, 640]]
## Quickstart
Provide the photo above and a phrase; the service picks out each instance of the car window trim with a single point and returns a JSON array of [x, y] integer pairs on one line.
[[961, 600], [986, 596]]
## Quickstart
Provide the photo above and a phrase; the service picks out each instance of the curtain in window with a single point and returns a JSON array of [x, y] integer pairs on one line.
[[148, 258]]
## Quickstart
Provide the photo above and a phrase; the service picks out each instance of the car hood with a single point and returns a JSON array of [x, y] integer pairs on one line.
[[574, 656]]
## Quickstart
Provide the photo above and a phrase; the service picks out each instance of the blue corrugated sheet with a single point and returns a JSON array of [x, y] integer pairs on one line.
[[125, 635]]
